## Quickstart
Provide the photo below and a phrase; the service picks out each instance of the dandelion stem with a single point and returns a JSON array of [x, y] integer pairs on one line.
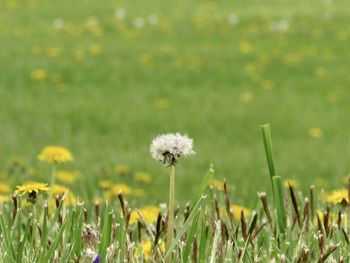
[[53, 176], [53, 179], [170, 230]]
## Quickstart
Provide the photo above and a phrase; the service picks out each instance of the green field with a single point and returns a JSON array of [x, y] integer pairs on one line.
[[103, 78]]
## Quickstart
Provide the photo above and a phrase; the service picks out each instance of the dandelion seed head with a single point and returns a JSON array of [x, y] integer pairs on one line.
[[168, 148]]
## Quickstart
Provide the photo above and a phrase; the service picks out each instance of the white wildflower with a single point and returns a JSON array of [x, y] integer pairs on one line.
[[58, 23], [167, 148], [138, 22], [120, 13], [233, 19], [153, 19]]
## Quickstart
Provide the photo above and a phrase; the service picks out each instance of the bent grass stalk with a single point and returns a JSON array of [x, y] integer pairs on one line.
[[277, 189]]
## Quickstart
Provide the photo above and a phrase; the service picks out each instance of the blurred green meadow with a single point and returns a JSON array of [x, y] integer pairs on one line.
[[103, 78]]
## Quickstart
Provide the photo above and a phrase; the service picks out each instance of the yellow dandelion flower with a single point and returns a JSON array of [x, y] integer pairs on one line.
[[337, 197], [122, 169], [149, 214], [246, 97], [65, 176], [321, 72], [161, 104], [61, 190], [291, 59], [116, 188], [145, 58], [105, 184], [246, 47], [38, 74], [53, 52], [4, 198], [146, 249], [216, 184], [292, 182], [5, 188], [315, 133], [143, 177], [237, 209], [55, 155], [30, 187], [333, 218], [95, 49]]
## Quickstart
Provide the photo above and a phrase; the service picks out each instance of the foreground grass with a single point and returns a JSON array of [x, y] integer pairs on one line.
[[209, 229]]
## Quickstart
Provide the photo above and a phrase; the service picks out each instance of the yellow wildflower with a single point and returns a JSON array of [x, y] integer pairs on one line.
[[38, 74], [53, 52], [95, 49], [122, 169], [216, 184], [116, 188], [246, 47], [61, 191], [292, 182], [65, 176], [333, 218], [143, 177], [161, 104], [315, 133], [145, 58], [146, 248], [149, 214], [30, 187], [337, 197], [55, 155], [105, 184], [237, 209], [321, 72], [5, 188], [246, 97], [4, 198]]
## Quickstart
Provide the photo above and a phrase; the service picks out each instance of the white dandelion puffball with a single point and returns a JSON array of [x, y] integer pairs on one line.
[[167, 148]]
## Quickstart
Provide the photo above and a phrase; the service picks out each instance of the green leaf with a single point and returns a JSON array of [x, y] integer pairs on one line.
[[106, 234], [184, 228], [189, 239], [279, 203]]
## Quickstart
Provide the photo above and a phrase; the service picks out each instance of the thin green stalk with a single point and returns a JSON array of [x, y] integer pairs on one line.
[[275, 180], [170, 230], [53, 175], [279, 203]]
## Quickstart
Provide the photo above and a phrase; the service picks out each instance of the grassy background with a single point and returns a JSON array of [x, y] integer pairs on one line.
[[285, 63]]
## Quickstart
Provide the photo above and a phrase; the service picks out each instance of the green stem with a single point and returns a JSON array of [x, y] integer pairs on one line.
[[170, 230], [53, 179], [53, 175]]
